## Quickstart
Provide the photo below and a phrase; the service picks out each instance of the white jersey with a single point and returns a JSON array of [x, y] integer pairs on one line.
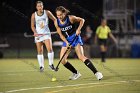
[[41, 23]]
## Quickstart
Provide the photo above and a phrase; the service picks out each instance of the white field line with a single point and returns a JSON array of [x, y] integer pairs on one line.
[[84, 87], [18, 71], [14, 74], [76, 85]]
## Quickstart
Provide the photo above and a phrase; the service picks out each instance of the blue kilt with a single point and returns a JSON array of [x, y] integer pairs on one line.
[[77, 41]]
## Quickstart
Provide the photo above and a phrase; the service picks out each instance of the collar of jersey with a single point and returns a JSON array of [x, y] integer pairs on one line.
[[64, 23], [40, 15]]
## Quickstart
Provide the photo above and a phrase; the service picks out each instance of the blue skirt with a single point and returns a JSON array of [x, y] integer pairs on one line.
[[77, 41]]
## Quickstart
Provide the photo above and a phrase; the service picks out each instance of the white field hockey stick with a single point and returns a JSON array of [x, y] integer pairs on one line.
[[39, 35]]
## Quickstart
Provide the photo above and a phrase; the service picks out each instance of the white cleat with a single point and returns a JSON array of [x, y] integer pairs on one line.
[[75, 76], [99, 75], [52, 67], [41, 69]]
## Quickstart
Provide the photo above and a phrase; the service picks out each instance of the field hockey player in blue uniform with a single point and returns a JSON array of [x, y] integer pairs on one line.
[[65, 25]]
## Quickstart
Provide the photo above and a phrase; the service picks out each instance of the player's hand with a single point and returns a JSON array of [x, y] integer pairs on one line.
[[78, 32], [67, 44], [35, 35]]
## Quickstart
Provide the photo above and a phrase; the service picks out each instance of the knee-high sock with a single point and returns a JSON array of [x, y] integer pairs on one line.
[[103, 56], [70, 67], [50, 58], [40, 58], [89, 64]]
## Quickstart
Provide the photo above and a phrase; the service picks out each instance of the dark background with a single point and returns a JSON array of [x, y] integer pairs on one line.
[[15, 21], [12, 21]]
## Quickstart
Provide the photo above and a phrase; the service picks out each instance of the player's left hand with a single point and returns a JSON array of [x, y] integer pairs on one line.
[[78, 32]]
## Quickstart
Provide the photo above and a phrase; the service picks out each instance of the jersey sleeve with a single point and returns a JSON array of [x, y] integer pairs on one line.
[[97, 30]]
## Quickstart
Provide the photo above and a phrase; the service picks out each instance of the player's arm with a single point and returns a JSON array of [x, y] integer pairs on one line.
[[95, 39], [50, 15], [112, 37], [96, 35], [79, 20], [33, 24], [60, 33]]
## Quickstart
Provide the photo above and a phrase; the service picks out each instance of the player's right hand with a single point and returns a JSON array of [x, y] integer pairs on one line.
[[35, 35], [68, 45]]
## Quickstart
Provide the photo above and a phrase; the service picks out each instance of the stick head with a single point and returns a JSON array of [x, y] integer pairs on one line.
[[56, 69]]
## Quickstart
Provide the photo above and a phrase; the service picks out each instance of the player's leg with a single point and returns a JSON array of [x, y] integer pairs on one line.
[[103, 50], [48, 44], [80, 54], [87, 52], [67, 64], [40, 56], [88, 63]]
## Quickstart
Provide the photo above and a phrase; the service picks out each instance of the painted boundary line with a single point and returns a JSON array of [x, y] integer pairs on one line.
[[76, 85], [85, 87], [91, 86]]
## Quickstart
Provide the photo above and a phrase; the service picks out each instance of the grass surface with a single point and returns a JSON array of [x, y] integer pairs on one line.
[[23, 76]]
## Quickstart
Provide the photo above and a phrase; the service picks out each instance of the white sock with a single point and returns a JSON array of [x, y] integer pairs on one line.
[[40, 58], [50, 58], [42, 62]]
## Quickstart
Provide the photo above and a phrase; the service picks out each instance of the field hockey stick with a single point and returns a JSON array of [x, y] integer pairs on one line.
[[28, 36], [56, 69]]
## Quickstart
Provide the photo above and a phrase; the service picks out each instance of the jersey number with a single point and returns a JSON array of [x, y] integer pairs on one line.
[[67, 34]]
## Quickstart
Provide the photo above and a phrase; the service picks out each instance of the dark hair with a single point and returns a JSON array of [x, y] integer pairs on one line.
[[62, 9], [103, 19], [39, 2]]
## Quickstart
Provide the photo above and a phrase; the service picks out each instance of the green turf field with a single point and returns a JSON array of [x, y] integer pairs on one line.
[[23, 76]]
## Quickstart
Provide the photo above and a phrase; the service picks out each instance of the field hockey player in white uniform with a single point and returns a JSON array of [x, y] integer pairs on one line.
[[40, 28]]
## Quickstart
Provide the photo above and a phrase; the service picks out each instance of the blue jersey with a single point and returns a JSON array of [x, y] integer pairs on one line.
[[68, 30]]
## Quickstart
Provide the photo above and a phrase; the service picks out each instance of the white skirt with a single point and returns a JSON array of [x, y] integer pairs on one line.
[[42, 38]]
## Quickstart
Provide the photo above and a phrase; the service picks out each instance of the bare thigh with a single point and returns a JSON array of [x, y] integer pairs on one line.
[[80, 52], [48, 44], [39, 46]]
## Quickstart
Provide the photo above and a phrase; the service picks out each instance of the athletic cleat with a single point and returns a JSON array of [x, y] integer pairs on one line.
[[41, 69], [99, 75], [52, 67], [75, 76]]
